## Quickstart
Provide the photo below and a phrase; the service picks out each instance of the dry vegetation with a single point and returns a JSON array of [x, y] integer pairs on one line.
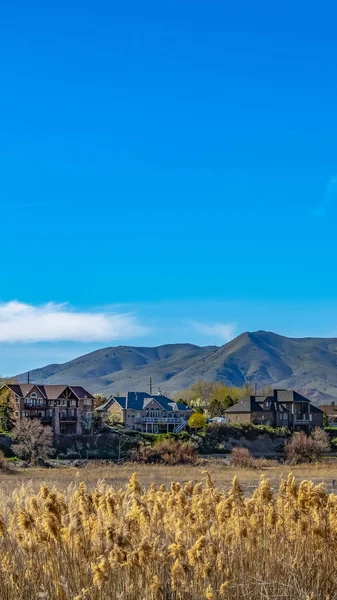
[[174, 542]]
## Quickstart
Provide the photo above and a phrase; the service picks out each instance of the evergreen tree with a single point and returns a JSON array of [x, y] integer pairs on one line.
[[7, 419]]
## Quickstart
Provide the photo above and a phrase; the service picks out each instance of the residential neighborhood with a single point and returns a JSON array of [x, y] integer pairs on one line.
[[68, 409]]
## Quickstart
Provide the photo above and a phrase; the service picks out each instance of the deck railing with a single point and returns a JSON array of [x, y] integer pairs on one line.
[[169, 420]]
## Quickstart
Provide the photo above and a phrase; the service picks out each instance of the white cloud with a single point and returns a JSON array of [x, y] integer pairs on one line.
[[222, 331], [21, 322]]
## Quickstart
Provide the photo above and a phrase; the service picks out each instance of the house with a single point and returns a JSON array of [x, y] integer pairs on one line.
[[330, 410], [65, 408], [283, 408], [148, 413]]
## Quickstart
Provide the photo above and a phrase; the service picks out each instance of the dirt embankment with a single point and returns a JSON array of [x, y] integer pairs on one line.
[[263, 445]]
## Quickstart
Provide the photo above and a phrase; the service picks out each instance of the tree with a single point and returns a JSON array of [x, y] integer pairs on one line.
[[215, 408], [7, 419], [214, 397], [113, 418], [99, 399], [87, 422], [197, 421], [33, 441]]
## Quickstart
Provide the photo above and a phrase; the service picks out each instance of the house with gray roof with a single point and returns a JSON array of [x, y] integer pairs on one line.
[[282, 408], [150, 413]]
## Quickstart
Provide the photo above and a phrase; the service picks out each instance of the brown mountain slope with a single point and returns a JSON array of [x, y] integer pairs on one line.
[[265, 358]]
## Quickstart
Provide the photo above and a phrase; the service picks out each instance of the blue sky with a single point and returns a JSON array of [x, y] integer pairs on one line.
[[168, 173]]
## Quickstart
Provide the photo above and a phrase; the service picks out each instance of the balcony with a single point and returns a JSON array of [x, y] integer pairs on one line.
[[68, 417], [169, 420]]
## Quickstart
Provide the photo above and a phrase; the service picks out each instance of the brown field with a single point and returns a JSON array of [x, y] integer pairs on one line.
[[117, 476]]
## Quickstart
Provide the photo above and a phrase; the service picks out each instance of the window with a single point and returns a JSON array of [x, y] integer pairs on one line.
[[72, 402], [64, 403], [310, 417], [87, 401], [33, 395], [266, 404]]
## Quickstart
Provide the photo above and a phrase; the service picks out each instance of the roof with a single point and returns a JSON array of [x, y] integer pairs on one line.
[[278, 401], [246, 405], [51, 392], [139, 401]]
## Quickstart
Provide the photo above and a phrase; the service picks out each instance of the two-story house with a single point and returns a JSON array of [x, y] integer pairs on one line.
[[282, 408], [148, 413], [65, 408]]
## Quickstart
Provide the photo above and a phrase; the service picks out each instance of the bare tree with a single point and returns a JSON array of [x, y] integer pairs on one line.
[[33, 441], [320, 442]]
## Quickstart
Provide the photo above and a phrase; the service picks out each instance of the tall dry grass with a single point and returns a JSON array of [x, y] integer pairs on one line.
[[182, 542]]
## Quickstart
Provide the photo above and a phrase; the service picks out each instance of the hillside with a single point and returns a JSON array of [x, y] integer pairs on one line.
[[306, 364]]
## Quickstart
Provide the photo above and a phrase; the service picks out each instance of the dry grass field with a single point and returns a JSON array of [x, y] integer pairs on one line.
[[120, 536], [118, 475]]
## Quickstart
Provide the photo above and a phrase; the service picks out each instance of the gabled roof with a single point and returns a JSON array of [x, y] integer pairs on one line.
[[119, 399], [245, 405], [50, 392], [280, 400], [140, 400]]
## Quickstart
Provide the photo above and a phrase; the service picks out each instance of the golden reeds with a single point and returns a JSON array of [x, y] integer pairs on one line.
[[184, 542]]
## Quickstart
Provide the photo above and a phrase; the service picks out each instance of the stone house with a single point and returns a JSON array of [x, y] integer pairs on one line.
[[282, 408], [67, 409], [148, 413]]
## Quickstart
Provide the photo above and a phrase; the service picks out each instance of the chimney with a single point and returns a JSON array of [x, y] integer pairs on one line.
[[28, 375], [150, 386]]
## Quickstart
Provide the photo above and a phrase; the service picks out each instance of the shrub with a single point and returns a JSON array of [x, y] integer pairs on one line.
[[320, 442], [304, 448], [4, 465], [197, 421], [169, 452], [241, 457]]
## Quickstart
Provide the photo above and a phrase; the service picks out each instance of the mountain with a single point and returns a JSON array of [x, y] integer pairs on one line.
[[308, 365]]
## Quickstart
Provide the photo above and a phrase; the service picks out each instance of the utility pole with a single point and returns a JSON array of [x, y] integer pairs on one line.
[[150, 386]]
